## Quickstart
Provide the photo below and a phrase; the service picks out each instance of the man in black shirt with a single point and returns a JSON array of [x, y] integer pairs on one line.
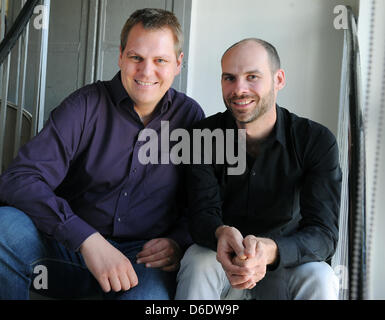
[[274, 226]]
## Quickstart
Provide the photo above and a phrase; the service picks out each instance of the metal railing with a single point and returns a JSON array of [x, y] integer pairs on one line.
[[20, 32], [350, 257]]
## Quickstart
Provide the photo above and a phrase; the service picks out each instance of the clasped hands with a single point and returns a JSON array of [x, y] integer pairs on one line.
[[244, 260], [114, 271]]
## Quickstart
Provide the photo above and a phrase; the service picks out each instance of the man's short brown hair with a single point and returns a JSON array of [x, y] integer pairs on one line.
[[154, 19]]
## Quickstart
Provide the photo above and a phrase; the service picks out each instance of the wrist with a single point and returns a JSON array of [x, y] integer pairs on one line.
[[272, 252], [88, 241]]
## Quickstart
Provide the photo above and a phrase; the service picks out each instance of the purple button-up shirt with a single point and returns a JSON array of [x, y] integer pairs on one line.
[[81, 174]]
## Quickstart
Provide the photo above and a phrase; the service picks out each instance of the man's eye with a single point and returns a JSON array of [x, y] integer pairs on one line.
[[160, 60], [135, 58], [228, 78], [252, 77]]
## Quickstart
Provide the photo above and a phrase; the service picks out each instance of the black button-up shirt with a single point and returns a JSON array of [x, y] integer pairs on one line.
[[82, 173], [290, 192]]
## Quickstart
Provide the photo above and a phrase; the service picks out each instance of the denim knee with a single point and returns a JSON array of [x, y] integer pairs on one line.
[[17, 230]]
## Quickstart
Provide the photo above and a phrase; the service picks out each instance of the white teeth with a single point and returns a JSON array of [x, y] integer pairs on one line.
[[145, 83], [243, 102]]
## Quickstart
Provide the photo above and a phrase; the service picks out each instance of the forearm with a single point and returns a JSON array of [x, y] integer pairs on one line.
[[23, 188], [307, 245], [202, 229], [42, 164], [205, 205], [317, 234], [271, 250]]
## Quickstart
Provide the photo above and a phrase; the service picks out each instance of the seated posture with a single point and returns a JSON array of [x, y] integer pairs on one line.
[[265, 233], [79, 202]]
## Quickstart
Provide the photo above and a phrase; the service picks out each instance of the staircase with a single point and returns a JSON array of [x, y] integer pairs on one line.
[[17, 124]]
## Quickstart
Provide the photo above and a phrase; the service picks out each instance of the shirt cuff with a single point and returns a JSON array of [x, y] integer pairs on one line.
[[287, 252], [73, 232], [183, 239]]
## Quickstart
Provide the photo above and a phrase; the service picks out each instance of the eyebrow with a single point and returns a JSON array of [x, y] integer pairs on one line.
[[132, 52], [225, 74], [256, 71], [129, 52]]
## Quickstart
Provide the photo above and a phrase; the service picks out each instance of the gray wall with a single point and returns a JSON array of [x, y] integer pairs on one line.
[[84, 41]]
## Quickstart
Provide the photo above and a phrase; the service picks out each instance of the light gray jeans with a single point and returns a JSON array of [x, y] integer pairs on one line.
[[201, 277]]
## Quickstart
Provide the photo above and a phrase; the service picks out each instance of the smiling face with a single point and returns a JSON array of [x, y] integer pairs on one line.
[[248, 84], [148, 66]]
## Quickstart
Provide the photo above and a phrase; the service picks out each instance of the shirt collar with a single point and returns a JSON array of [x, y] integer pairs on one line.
[[279, 131], [280, 127], [119, 94], [166, 101]]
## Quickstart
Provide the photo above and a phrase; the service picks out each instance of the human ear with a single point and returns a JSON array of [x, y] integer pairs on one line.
[[279, 79], [179, 63]]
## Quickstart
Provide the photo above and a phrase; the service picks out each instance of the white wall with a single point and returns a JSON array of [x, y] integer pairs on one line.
[[310, 50], [373, 83], [304, 35]]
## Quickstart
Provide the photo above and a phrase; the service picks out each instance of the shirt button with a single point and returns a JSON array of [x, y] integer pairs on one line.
[[125, 194], [118, 219], [134, 170], [253, 173]]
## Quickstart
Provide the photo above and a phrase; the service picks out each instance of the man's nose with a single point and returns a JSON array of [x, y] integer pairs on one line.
[[240, 87], [146, 68]]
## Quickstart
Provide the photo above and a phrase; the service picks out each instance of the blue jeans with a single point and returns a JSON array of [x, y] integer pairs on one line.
[[24, 249]]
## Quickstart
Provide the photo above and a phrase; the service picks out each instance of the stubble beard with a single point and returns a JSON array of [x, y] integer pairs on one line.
[[262, 106]]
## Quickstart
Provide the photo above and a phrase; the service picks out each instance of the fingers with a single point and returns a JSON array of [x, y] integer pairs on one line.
[[260, 252], [104, 283], [230, 237], [250, 243], [154, 247], [158, 260], [229, 243], [163, 256], [158, 242], [119, 279], [245, 281], [160, 253], [109, 266], [232, 268], [252, 269], [250, 284], [125, 283], [255, 259], [115, 283]]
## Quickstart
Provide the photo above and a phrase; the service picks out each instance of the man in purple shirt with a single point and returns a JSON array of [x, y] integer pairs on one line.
[[80, 204]]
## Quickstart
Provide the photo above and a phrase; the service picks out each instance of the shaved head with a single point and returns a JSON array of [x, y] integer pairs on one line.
[[274, 60]]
